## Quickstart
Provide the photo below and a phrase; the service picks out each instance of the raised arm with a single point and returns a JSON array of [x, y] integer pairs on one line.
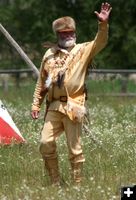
[[102, 35]]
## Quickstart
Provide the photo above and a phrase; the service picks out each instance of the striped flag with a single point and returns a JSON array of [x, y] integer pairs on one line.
[[9, 133]]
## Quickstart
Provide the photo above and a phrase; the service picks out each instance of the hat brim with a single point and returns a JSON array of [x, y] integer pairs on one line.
[[66, 30]]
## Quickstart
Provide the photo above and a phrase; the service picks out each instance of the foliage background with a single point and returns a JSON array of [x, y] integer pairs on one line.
[[29, 22]]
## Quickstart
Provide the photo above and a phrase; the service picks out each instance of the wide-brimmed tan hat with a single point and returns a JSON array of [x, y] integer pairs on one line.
[[64, 24]]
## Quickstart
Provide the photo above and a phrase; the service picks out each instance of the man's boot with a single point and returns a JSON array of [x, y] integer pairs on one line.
[[77, 169], [52, 168]]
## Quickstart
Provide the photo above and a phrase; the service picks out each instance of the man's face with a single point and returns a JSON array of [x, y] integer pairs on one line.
[[66, 39]]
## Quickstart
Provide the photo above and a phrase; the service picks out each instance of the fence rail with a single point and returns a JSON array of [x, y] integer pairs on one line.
[[15, 71], [98, 71], [113, 71]]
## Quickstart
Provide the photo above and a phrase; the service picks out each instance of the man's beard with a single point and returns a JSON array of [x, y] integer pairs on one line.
[[67, 43]]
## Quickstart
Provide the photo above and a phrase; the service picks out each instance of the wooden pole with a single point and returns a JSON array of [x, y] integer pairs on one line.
[[19, 50]]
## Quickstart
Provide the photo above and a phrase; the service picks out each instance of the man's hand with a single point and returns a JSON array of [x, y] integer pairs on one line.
[[35, 114], [103, 16]]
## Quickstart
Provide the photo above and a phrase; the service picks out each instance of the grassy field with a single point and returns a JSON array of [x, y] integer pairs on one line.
[[109, 165]]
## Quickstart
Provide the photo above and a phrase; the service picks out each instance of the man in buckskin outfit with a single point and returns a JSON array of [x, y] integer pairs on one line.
[[61, 80]]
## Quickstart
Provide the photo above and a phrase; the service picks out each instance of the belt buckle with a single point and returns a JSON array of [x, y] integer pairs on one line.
[[63, 98]]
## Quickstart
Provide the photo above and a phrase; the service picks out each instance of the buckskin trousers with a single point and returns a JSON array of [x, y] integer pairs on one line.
[[55, 124]]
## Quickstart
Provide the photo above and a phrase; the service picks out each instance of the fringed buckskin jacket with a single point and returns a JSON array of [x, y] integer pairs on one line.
[[62, 76]]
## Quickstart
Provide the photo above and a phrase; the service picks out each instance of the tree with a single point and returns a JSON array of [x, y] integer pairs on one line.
[[30, 24]]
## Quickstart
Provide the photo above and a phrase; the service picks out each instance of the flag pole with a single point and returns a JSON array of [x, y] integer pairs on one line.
[[19, 50]]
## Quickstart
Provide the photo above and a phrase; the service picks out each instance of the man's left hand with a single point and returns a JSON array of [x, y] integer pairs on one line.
[[103, 16]]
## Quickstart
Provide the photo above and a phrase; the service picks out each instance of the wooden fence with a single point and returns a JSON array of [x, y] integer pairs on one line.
[[112, 74], [123, 92], [13, 72]]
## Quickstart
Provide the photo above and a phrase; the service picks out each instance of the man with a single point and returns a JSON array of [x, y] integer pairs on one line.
[[62, 76]]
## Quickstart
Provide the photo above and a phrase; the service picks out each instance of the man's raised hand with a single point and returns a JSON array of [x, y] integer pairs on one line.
[[103, 16]]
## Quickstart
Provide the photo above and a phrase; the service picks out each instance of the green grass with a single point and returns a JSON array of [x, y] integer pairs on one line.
[[108, 166]]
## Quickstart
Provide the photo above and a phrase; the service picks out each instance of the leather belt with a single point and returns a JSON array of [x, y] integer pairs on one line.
[[63, 98]]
